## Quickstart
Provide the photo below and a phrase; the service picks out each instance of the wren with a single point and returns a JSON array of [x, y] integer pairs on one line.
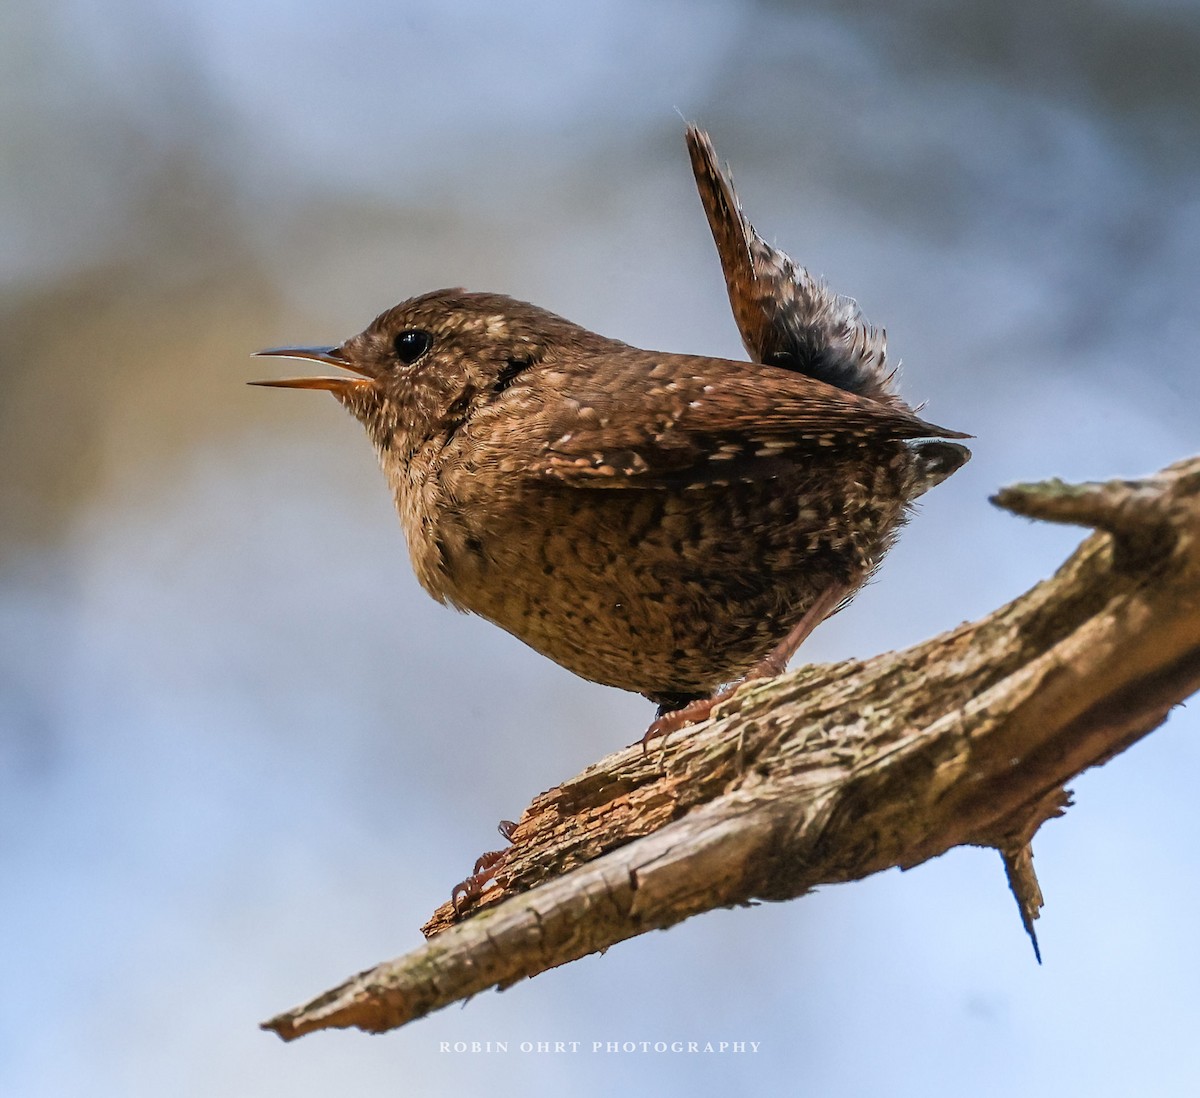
[[663, 523]]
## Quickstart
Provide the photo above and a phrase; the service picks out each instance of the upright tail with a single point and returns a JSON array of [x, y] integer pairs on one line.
[[786, 317]]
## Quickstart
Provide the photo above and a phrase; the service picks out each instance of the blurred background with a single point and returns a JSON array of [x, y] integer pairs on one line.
[[242, 755]]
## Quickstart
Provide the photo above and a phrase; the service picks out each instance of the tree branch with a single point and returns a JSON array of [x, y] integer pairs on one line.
[[835, 772]]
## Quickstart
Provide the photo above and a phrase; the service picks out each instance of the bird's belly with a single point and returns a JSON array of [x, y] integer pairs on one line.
[[667, 593]]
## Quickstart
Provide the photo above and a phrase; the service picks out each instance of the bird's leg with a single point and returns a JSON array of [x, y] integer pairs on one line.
[[484, 871], [773, 663]]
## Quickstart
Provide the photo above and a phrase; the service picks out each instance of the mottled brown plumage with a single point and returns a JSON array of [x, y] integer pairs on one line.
[[786, 317], [654, 521]]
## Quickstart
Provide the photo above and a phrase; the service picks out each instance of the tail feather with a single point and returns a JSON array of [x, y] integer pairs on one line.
[[786, 317]]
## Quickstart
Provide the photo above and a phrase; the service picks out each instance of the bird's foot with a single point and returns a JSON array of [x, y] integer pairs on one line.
[[692, 713], [773, 663], [484, 871]]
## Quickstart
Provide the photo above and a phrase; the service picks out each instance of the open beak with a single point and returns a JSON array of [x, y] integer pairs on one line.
[[333, 356]]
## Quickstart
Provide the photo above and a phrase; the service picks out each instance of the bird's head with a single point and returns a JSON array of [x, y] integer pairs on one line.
[[420, 369]]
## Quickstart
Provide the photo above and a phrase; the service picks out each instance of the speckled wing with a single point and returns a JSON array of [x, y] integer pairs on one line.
[[786, 317], [676, 421]]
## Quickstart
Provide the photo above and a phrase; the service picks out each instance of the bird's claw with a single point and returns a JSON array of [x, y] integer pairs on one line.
[[484, 871]]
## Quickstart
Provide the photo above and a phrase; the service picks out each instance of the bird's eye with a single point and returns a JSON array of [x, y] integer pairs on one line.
[[411, 344]]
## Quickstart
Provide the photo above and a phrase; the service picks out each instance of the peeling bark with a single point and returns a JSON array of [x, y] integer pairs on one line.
[[834, 772]]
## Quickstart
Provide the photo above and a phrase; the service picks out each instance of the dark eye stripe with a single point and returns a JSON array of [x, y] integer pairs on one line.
[[509, 373]]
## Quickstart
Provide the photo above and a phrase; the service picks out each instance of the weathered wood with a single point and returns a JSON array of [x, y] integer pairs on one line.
[[835, 772]]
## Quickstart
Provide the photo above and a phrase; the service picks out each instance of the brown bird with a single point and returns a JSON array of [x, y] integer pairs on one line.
[[659, 522]]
